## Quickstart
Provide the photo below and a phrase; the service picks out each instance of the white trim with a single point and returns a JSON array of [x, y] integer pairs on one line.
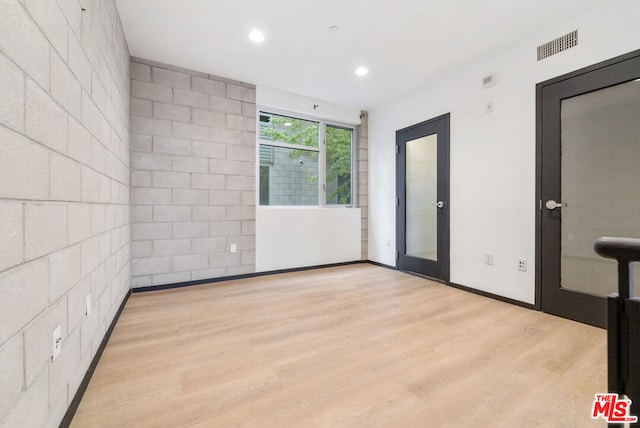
[[288, 146]]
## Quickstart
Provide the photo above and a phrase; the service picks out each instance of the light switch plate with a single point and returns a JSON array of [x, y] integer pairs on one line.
[[488, 259]]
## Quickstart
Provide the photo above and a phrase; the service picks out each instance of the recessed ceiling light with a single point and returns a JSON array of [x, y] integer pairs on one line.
[[362, 71], [256, 36]]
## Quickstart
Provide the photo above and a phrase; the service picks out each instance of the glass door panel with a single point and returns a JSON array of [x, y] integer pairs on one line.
[[600, 183], [421, 197]]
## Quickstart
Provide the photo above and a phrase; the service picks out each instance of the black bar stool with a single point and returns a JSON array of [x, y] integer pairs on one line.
[[623, 321]]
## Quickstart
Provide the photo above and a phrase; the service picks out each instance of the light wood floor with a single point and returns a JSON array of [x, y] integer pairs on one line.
[[353, 346]]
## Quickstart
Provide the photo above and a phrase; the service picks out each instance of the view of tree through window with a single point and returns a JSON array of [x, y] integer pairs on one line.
[[289, 162], [290, 130], [338, 165]]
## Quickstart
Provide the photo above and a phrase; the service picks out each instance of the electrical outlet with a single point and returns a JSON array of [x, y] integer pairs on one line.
[[488, 259], [388, 242], [89, 304], [522, 265], [233, 248], [57, 342]]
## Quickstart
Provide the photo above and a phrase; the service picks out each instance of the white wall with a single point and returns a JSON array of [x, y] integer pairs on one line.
[[492, 155], [290, 237], [306, 236]]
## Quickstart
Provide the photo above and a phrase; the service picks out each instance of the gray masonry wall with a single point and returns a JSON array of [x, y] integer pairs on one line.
[[293, 177], [363, 181], [64, 197], [193, 164]]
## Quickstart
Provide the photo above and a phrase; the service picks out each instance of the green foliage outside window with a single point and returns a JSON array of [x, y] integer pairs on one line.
[[339, 164]]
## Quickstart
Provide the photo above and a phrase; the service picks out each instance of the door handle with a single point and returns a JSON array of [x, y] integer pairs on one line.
[[552, 205], [440, 204]]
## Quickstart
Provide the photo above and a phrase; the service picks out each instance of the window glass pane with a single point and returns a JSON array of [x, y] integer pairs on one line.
[[338, 157], [290, 130], [288, 176], [265, 181]]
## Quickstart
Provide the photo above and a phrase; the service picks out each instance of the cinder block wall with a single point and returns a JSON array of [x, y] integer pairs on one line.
[[293, 180], [64, 197], [193, 167]]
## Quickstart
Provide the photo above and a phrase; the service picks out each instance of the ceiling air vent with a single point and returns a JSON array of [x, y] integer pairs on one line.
[[558, 45]]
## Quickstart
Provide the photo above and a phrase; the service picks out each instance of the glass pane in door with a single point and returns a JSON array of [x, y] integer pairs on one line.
[[600, 182], [421, 197]]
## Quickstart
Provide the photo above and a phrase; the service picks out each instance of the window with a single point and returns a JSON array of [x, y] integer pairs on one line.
[[304, 161], [338, 165]]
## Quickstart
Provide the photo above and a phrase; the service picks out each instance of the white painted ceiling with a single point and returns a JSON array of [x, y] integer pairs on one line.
[[404, 43]]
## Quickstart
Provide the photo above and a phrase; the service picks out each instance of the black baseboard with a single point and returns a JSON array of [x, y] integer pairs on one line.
[[300, 269], [476, 291], [235, 277], [382, 265], [492, 296], [75, 403]]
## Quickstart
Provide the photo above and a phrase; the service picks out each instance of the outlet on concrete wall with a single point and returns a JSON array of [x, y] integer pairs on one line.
[[57, 342], [89, 305]]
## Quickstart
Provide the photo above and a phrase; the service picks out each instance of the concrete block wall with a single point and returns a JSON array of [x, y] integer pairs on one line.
[[193, 158], [363, 181], [64, 197], [293, 177]]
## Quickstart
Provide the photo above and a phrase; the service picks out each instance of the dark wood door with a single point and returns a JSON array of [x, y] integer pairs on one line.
[[587, 131], [422, 167]]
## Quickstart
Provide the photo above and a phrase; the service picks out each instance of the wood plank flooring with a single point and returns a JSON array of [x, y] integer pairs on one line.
[[351, 346]]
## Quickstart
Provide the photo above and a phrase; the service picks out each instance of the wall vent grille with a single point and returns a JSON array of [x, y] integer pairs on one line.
[[558, 45], [488, 81]]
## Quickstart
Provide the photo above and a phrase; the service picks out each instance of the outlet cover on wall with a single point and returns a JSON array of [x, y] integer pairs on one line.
[[57, 342], [522, 265], [488, 107], [89, 305], [488, 259], [233, 248]]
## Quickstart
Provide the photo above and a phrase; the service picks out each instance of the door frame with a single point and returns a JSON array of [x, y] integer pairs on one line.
[[437, 270], [594, 77]]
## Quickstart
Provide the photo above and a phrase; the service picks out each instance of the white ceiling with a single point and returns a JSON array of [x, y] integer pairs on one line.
[[404, 43]]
